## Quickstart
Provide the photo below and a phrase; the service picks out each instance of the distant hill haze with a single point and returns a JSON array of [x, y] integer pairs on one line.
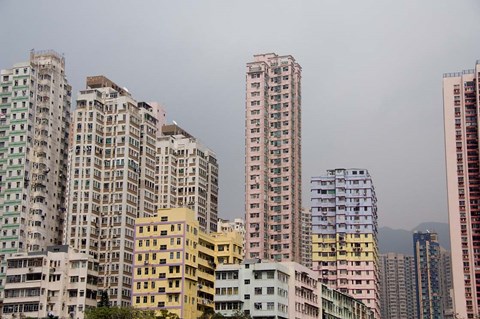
[[401, 241]]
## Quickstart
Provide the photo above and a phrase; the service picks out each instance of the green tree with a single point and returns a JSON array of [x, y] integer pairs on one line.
[[217, 315], [207, 313], [104, 300], [165, 314], [119, 313], [240, 315]]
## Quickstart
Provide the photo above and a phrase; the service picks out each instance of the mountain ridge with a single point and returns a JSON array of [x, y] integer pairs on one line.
[[392, 240]]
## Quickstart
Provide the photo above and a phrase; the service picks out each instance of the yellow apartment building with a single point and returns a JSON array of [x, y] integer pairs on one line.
[[174, 262]]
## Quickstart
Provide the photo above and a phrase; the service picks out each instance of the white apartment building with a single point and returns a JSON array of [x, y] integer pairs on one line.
[[59, 281], [112, 180], [35, 102], [267, 290], [187, 175], [237, 224]]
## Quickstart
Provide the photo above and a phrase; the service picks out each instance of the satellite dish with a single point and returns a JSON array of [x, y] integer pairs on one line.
[[174, 122]]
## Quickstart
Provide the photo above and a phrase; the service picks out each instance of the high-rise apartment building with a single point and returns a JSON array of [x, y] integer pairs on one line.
[[398, 286], [160, 114], [35, 102], [112, 180], [175, 262], [446, 285], [273, 158], [187, 175], [427, 275], [306, 248], [461, 105], [344, 233]]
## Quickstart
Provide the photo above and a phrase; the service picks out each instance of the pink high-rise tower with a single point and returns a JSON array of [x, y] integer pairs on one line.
[[273, 158]]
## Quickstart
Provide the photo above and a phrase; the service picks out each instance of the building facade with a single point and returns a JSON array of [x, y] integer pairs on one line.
[[427, 275], [446, 285], [306, 249], [281, 290], [175, 262], [461, 104], [236, 225], [273, 158], [267, 290], [112, 180], [187, 175], [344, 234], [337, 305], [34, 126], [398, 291], [59, 281]]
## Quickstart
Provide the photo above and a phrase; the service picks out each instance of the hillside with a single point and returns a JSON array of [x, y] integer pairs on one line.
[[401, 241]]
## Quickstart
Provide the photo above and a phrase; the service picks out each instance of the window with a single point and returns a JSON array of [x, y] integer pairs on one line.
[[246, 297], [247, 281]]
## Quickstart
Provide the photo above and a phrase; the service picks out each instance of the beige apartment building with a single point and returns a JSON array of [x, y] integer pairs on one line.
[[273, 158], [35, 100], [58, 281], [306, 248], [112, 180], [397, 286], [461, 104], [187, 175]]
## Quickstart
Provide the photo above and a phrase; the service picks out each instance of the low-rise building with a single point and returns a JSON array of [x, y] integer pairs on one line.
[[237, 225], [175, 261], [338, 305], [59, 281], [281, 290], [256, 288]]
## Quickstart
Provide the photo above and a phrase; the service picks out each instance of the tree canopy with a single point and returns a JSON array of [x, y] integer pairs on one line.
[[120, 313]]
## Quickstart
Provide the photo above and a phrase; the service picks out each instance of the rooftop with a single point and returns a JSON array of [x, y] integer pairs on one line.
[[101, 81]]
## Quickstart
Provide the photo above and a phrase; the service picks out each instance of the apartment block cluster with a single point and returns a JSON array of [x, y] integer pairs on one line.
[[418, 285], [112, 199]]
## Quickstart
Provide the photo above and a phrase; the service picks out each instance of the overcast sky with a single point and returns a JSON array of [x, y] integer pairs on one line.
[[371, 87]]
